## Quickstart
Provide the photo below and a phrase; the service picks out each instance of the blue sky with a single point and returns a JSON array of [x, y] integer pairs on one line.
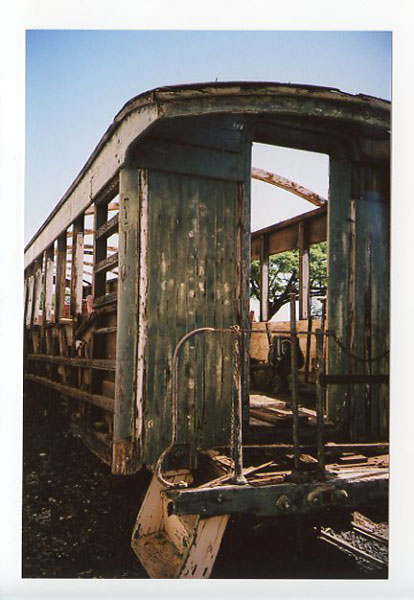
[[77, 80]]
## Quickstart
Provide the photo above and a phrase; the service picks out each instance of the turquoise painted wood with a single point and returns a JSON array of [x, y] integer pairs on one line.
[[358, 294], [198, 256], [192, 283]]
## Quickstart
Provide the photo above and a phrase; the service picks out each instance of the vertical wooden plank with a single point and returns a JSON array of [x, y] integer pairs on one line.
[[203, 319], [371, 335], [214, 343], [37, 290], [339, 271], [142, 303], [76, 279], [264, 278], [60, 276], [193, 193], [230, 308], [127, 317], [304, 275], [99, 249], [245, 209], [29, 304], [48, 285]]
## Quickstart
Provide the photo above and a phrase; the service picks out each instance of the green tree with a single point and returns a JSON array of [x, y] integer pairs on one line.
[[283, 276]]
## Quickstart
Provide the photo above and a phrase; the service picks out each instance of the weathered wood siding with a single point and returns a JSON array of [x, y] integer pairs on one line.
[[192, 282], [358, 297]]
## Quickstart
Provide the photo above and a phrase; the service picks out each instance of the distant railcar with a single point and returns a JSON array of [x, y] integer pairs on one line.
[[137, 308]]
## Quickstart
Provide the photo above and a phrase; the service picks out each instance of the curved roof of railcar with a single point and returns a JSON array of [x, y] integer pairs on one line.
[[142, 111]]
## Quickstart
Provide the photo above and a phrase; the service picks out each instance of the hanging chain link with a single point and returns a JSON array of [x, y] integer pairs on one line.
[[354, 356]]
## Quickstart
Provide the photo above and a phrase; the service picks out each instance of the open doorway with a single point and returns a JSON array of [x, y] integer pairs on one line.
[[289, 200]]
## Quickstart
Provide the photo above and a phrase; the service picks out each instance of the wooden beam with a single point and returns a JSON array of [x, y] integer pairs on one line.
[[281, 498], [101, 401], [107, 264], [100, 249], [29, 304], [37, 290], [48, 284], [60, 276], [264, 278], [103, 364], [77, 268], [288, 185], [111, 207], [284, 235], [304, 271], [108, 228]]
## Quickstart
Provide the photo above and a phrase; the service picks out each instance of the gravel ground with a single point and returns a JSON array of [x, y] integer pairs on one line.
[[78, 518]]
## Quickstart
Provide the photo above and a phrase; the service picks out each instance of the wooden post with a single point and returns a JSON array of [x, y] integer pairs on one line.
[[304, 272], [60, 277], [130, 351], [30, 291], [264, 278], [294, 384], [77, 268], [48, 285], [37, 290], [99, 250]]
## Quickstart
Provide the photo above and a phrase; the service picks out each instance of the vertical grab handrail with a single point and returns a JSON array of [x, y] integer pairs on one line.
[[236, 425], [294, 371], [236, 413], [320, 397]]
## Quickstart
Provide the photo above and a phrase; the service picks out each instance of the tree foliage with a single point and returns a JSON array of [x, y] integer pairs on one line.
[[284, 276]]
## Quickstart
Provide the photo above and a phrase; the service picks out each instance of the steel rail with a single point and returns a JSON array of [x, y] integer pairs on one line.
[[343, 544]]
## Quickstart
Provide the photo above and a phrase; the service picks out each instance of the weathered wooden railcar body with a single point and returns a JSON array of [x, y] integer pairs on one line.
[[180, 160]]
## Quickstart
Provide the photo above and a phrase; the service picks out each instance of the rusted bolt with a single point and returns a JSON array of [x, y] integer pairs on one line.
[[340, 496], [283, 503], [314, 498]]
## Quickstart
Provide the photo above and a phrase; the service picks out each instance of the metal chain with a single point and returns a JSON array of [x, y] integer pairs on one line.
[[354, 356]]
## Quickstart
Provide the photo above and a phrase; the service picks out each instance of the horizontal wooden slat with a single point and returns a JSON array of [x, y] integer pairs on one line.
[[104, 330], [107, 263], [108, 228], [101, 401], [353, 378], [93, 363], [105, 300], [284, 235]]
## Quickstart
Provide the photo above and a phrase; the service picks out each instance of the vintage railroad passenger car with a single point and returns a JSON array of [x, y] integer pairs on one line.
[[152, 342]]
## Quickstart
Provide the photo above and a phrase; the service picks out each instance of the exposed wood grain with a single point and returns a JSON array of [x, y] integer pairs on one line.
[[288, 185], [284, 236], [60, 286], [99, 251], [304, 270], [76, 279], [48, 284], [37, 290], [264, 278]]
